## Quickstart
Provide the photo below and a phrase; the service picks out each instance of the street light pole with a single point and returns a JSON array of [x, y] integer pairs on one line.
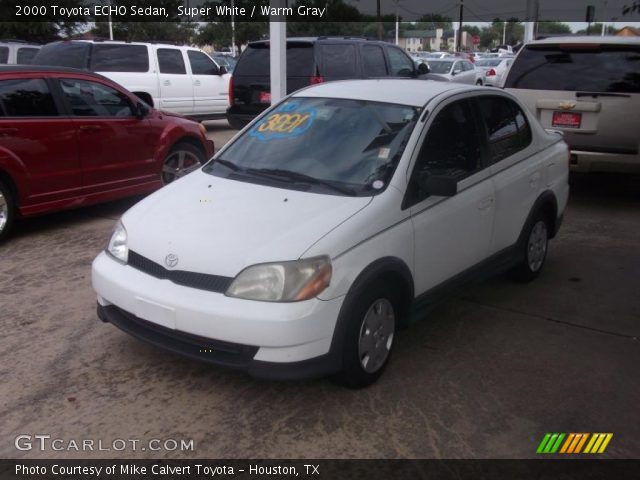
[[504, 33], [397, 23], [233, 32], [110, 22], [459, 46]]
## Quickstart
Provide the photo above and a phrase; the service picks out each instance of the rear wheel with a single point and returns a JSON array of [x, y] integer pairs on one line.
[[7, 209], [369, 336], [479, 82], [535, 246], [183, 159]]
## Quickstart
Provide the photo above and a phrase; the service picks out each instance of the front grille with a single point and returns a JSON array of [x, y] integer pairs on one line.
[[202, 281], [201, 348]]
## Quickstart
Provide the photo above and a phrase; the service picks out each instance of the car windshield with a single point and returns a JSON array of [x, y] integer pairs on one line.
[[337, 146], [440, 67]]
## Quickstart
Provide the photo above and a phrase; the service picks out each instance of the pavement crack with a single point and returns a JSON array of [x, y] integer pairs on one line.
[[550, 319]]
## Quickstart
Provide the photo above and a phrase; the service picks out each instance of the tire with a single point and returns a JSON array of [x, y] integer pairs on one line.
[[369, 336], [535, 246], [183, 159], [7, 209], [479, 83]]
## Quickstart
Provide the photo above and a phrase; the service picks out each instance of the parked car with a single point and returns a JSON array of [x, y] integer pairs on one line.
[[173, 78], [70, 138], [588, 87], [17, 52], [311, 61], [494, 70], [457, 71], [316, 231]]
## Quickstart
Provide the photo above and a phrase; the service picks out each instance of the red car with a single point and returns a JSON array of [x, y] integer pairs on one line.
[[69, 138]]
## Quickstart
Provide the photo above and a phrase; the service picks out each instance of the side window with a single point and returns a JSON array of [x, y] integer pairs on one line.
[[507, 128], [25, 55], [4, 55], [457, 67], [92, 99], [451, 148], [338, 61], [467, 66], [401, 64], [373, 61], [119, 58], [28, 97], [170, 61], [201, 63]]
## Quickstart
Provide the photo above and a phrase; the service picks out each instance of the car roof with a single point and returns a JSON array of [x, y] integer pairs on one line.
[[121, 42], [413, 92], [45, 69], [326, 39], [609, 39]]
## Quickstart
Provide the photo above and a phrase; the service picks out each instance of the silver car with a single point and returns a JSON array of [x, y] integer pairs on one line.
[[457, 71], [588, 87]]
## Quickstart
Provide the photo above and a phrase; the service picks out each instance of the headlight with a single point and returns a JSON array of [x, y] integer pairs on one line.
[[283, 281], [117, 246]]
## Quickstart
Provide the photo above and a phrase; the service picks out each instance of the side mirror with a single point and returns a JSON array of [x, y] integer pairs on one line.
[[141, 110], [438, 185], [423, 69], [222, 70]]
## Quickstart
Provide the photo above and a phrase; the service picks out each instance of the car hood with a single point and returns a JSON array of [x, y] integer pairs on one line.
[[220, 226]]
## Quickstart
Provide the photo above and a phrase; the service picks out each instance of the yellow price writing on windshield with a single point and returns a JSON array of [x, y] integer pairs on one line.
[[283, 122]]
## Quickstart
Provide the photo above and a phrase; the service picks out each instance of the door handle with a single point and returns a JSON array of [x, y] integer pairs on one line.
[[197, 83], [89, 128], [166, 83], [486, 203], [5, 132]]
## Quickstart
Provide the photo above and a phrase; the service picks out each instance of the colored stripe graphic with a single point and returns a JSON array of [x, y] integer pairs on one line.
[[574, 443]]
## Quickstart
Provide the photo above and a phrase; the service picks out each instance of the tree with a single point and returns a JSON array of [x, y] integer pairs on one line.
[[48, 27], [170, 31], [553, 27], [596, 28], [218, 34]]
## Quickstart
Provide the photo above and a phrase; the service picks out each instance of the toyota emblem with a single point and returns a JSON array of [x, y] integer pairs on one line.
[[171, 260]]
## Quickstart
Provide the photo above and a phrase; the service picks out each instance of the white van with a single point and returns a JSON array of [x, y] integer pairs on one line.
[[17, 52], [174, 78]]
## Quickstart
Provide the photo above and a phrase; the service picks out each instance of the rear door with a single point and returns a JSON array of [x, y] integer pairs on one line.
[[25, 55], [338, 61], [33, 131], [116, 148], [373, 62], [176, 84], [210, 88], [590, 91]]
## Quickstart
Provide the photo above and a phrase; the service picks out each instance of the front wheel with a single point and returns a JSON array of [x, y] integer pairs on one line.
[[535, 253], [7, 210], [369, 336], [183, 159]]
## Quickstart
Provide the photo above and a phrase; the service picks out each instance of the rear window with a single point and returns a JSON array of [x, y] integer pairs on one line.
[[255, 60], [338, 60], [488, 63], [64, 54], [120, 58], [590, 68], [4, 54], [25, 55], [28, 97]]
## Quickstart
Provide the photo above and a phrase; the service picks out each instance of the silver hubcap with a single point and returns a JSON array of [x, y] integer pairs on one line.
[[178, 164], [537, 246], [4, 212], [376, 335]]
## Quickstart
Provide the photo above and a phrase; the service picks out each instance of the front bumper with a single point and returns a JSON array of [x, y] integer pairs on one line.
[[269, 340]]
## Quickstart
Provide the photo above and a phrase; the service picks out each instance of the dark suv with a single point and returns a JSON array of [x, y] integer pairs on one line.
[[310, 61]]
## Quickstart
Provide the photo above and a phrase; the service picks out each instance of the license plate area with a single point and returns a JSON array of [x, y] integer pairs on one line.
[[155, 313], [566, 119], [265, 97]]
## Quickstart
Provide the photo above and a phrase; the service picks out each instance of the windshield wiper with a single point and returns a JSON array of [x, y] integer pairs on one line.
[[284, 175], [228, 164]]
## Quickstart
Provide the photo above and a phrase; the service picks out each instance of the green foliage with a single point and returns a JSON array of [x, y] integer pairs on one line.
[[47, 28], [553, 27]]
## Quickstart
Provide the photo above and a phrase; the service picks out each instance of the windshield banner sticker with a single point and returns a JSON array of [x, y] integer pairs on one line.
[[286, 121]]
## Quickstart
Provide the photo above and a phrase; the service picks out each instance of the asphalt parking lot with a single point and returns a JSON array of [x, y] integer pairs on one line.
[[484, 375]]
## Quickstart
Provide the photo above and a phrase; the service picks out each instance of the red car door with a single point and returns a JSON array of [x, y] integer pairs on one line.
[[38, 144], [116, 147]]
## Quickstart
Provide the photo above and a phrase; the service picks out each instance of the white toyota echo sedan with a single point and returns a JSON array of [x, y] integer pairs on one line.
[[312, 236]]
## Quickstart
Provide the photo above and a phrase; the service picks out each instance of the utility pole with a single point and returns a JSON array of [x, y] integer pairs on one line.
[[397, 23], [379, 18], [233, 32], [504, 33], [459, 43]]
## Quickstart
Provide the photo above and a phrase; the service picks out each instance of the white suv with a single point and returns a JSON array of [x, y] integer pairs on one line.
[[17, 52], [312, 235], [174, 78]]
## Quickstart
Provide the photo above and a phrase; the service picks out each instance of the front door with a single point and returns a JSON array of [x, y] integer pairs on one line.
[[116, 149], [176, 86], [452, 233], [210, 89]]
